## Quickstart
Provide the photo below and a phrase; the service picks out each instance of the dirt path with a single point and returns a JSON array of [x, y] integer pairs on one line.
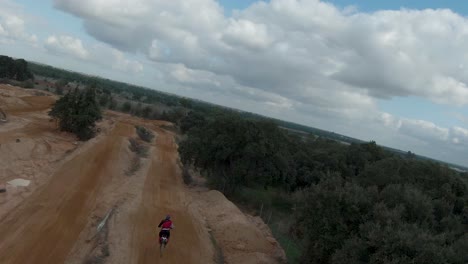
[[55, 220], [46, 225], [164, 194]]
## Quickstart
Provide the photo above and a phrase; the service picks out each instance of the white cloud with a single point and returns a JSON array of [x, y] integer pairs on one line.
[[293, 47], [424, 130], [459, 136], [98, 53], [126, 65], [13, 24], [67, 45], [320, 62], [248, 34]]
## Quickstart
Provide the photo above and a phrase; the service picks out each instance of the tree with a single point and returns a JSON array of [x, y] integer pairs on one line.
[[77, 112], [112, 103], [193, 119], [59, 86], [14, 69], [236, 152], [146, 112], [104, 100], [127, 107]]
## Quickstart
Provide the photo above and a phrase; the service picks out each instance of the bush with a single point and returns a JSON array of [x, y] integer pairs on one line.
[[138, 148], [126, 107], [78, 112], [144, 133], [27, 84], [134, 166]]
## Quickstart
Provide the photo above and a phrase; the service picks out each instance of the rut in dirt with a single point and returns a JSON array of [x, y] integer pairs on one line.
[[164, 194]]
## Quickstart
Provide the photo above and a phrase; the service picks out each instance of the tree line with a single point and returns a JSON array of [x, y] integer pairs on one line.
[[14, 69], [355, 203], [125, 90]]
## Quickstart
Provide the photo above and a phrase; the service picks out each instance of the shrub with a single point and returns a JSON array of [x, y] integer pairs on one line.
[[27, 84], [134, 166], [139, 148], [144, 133]]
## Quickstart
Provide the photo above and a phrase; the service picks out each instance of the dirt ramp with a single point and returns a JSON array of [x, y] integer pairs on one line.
[[241, 239]]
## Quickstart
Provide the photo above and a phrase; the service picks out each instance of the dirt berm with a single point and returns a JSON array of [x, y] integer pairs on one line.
[[242, 238]]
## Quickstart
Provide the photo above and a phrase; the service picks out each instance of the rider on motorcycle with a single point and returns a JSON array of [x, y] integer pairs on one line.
[[166, 226]]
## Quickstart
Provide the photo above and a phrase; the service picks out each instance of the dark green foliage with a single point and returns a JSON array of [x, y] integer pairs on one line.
[[175, 115], [192, 119], [235, 152], [146, 112], [144, 133], [14, 69], [395, 211], [354, 203], [112, 103], [139, 148], [60, 86], [126, 107], [77, 112], [104, 100]]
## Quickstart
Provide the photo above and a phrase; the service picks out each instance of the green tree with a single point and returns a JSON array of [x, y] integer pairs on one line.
[[77, 112], [126, 107], [112, 103], [146, 112], [14, 69]]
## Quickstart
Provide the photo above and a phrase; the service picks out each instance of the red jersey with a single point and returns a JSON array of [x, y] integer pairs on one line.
[[165, 224]]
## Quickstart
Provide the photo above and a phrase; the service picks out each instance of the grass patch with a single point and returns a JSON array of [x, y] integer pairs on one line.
[[144, 133]]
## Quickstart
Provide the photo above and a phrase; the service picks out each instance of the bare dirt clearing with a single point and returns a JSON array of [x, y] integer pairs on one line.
[[58, 218]]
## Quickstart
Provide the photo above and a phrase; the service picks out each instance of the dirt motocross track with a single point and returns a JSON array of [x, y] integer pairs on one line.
[[81, 206]]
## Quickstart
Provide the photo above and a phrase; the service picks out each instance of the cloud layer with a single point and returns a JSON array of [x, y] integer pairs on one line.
[[13, 24], [304, 59]]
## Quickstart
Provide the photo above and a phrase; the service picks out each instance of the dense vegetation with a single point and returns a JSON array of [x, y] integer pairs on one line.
[[14, 69], [353, 204], [77, 112]]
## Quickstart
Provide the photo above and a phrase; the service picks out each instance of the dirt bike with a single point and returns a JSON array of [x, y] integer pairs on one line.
[[162, 244]]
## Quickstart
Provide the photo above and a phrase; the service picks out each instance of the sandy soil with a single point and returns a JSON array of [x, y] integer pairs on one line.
[[74, 186], [243, 239]]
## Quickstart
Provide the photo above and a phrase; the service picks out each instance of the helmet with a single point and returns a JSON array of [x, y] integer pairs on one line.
[[168, 217]]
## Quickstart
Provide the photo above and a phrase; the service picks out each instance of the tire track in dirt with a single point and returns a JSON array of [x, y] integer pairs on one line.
[[164, 193], [46, 226]]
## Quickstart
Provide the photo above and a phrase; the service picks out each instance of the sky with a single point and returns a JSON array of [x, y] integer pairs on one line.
[[391, 71]]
